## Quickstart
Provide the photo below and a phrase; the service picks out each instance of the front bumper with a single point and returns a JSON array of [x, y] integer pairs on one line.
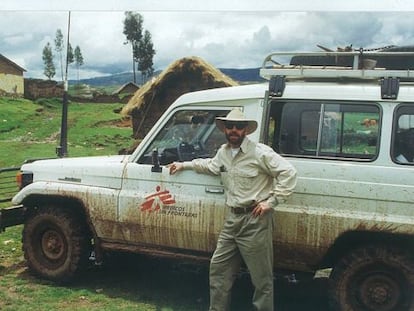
[[12, 216]]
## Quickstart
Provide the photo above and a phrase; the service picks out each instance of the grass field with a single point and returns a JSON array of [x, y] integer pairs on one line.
[[125, 281]]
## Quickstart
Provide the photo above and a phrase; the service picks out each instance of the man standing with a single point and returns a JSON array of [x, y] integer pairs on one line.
[[255, 179]]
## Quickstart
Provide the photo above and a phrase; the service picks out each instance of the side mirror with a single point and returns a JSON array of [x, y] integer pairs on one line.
[[156, 168]]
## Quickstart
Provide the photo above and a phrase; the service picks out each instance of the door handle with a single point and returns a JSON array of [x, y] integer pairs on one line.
[[216, 190]]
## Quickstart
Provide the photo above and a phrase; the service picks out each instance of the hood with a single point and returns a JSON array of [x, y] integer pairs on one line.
[[102, 171]]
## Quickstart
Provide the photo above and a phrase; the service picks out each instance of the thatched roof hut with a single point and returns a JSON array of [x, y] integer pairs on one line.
[[182, 76], [126, 89]]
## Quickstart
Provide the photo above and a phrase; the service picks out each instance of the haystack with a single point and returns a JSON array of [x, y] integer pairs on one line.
[[182, 76]]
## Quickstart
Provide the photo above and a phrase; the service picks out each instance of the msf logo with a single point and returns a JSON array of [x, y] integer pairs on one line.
[[156, 201]]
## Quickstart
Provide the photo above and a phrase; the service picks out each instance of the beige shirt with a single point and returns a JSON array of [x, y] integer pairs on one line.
[[255, 174]]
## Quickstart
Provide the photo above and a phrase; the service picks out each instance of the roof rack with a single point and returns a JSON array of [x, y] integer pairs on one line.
[[329, 65]]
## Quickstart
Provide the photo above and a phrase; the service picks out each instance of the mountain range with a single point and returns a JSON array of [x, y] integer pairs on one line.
[[241, 75]]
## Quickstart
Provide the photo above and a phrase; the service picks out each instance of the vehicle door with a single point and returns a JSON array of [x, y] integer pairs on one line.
[[185, 210], [334, 146]]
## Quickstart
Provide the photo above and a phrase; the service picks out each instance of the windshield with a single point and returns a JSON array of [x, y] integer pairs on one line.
[[189, 134]]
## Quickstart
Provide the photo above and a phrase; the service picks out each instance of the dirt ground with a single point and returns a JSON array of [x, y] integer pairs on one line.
[[304, 295], [191, 281], [174, 285]]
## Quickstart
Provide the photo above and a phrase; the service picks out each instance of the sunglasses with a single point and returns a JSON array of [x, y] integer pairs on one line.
[[239, 125]]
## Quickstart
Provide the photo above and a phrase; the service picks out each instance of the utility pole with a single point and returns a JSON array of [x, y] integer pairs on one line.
[[62, 149]]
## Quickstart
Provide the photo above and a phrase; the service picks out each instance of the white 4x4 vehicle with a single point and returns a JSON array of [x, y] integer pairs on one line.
[[352, 209]]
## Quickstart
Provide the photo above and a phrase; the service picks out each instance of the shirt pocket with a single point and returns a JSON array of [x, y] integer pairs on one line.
[[244, 179]]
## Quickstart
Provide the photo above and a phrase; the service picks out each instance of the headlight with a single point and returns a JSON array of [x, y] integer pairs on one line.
[[24, 178]]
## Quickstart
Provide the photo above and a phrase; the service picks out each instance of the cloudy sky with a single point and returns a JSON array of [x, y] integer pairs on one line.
[[227, 34]]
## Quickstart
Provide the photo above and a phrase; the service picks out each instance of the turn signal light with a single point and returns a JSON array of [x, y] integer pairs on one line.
[[23, 179]]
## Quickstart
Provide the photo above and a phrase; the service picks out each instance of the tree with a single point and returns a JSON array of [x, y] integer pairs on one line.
[[145, 56], [59, 46], [78, 59], [47, 57], [133, 32]]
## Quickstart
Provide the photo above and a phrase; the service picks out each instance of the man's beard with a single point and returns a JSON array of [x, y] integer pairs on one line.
[[234, 138]]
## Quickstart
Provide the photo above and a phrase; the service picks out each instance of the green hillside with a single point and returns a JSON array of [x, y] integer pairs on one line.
[[32, 129]]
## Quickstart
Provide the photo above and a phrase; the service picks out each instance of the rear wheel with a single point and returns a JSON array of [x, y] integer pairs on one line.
[[373, 278], [55, 244]]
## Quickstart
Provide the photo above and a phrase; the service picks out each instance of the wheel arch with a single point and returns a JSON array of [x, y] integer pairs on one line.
[[354, 239], [34, 202]]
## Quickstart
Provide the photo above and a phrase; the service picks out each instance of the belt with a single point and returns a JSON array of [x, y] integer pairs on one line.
[[242, 210]]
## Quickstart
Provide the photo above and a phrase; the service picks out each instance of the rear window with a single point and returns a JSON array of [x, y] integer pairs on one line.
[[325, 129], [403, 135]]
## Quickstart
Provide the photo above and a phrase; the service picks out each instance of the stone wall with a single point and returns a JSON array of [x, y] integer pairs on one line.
[[37, 88]]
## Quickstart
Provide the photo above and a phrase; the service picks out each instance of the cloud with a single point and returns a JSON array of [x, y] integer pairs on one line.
[[225, 38], [17, 39]]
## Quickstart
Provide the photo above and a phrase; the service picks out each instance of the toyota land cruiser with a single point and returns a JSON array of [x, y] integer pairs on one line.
[[343, 128]]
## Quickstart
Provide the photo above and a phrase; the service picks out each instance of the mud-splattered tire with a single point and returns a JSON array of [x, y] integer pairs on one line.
[[373, 278], [55, 244]]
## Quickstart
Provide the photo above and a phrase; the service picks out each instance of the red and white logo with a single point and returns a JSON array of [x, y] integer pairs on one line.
[[157, 200]]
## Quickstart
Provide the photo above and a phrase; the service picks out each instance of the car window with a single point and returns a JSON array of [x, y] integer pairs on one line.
[[187, 135], [325, 129], [403, 136]]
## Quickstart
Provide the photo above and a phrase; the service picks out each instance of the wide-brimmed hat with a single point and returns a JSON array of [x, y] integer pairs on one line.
[[236, 115]]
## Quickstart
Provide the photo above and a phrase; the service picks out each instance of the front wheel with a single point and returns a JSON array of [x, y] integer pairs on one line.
[[55, 244], [373, 278]]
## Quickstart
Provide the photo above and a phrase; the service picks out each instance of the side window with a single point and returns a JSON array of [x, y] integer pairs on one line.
[[189, 134], [403, 136], [324, 129]]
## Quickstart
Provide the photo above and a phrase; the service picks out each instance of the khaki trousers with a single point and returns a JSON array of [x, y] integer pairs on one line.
[[247, 238]]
